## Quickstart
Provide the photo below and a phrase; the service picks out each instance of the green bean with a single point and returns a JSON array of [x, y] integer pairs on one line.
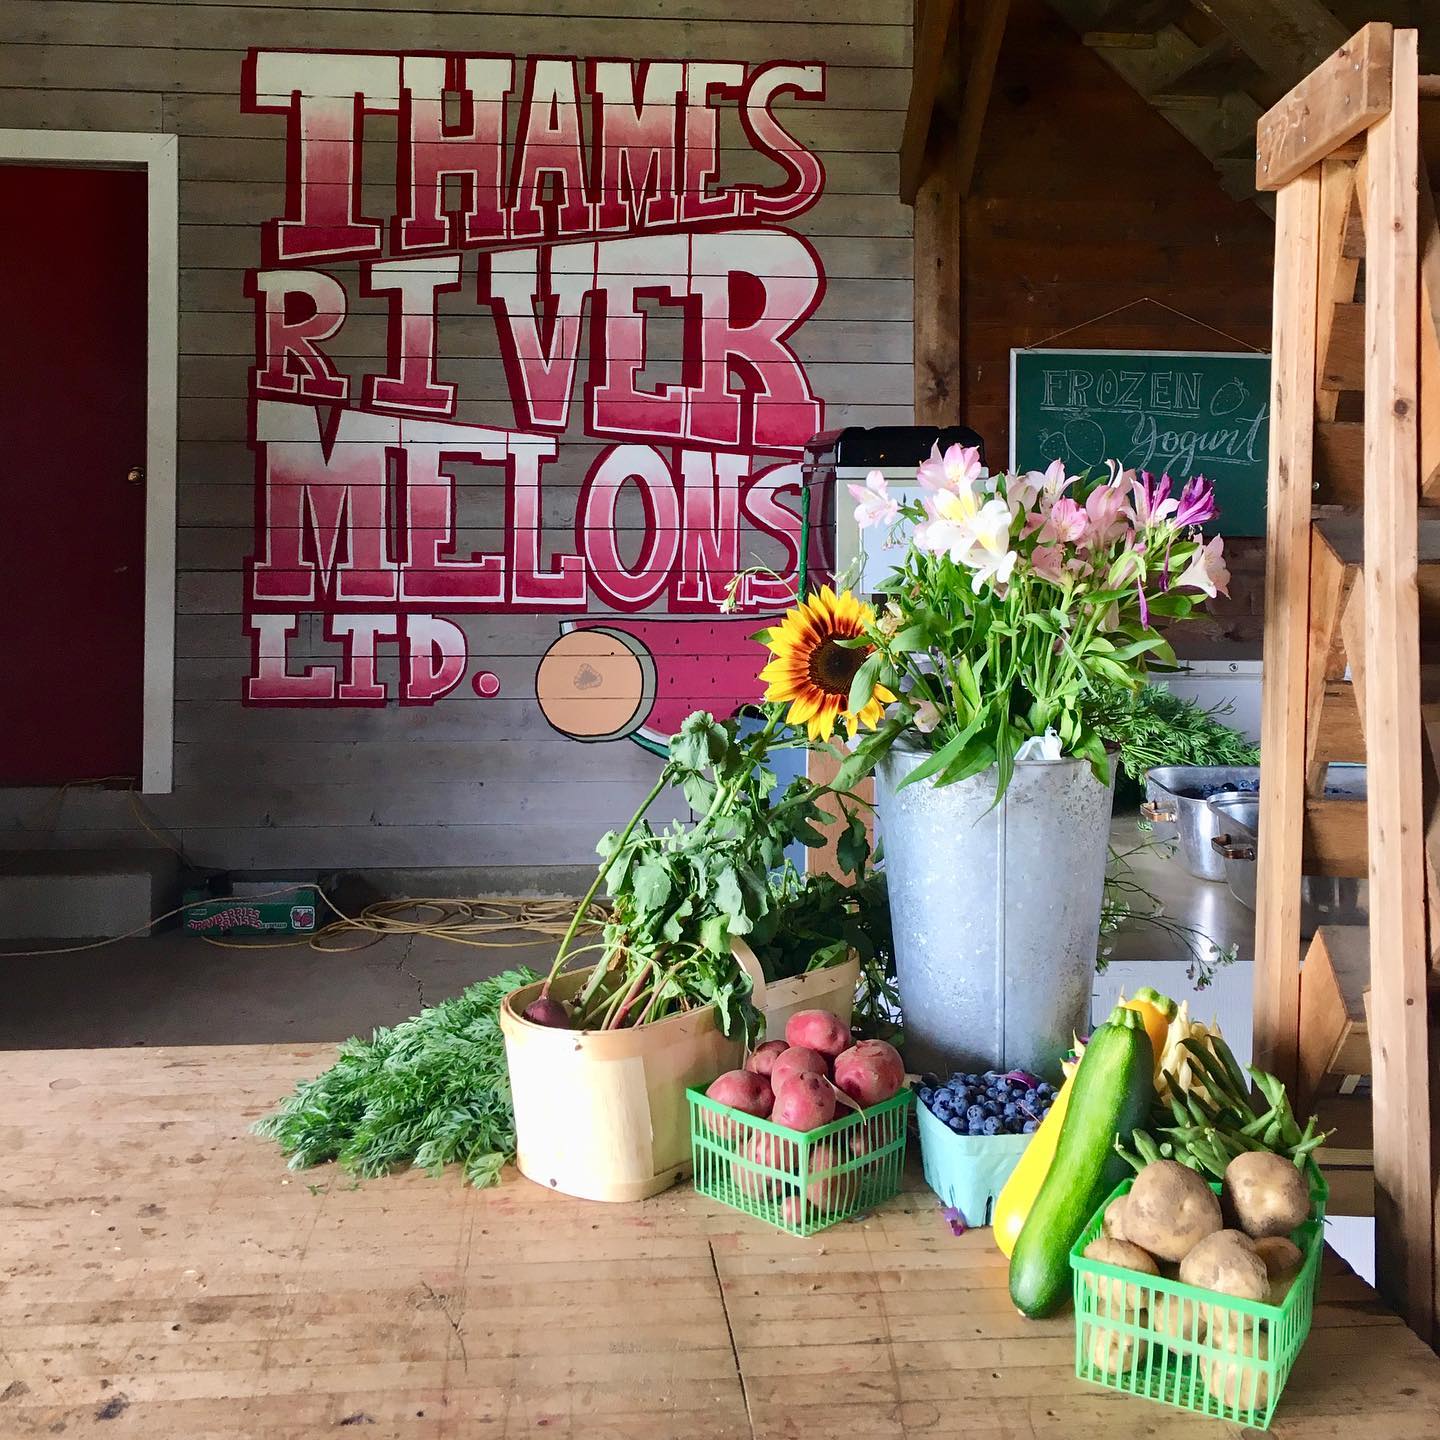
[[1232, 1067]]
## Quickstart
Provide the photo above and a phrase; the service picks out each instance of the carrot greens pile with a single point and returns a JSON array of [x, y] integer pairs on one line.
[[431, 1091]]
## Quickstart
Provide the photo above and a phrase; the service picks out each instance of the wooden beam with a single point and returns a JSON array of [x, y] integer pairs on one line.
[[937, 332], [932, 25], [983, 39], [1331, 105], [1398, 1001], [1287, 603], [1429, 343]]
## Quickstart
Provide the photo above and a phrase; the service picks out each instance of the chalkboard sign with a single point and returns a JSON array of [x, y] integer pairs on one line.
[[1182, 411]]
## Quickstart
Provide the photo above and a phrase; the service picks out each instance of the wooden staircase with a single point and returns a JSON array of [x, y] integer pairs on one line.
[[1212, 67], [1352, 629]]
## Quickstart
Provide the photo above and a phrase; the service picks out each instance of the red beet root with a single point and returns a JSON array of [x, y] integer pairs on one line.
[[546, 1011]]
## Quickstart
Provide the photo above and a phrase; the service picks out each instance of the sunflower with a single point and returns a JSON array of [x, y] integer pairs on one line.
[[813, 672]]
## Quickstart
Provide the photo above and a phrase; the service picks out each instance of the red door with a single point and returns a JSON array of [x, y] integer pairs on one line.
[[73, 287]]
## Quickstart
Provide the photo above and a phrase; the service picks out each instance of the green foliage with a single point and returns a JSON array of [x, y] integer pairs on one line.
[[1151, 727], [432, 1091], [680, 894]]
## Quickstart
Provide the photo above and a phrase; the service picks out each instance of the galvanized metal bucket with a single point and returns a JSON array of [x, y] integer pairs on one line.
[[996, 911]]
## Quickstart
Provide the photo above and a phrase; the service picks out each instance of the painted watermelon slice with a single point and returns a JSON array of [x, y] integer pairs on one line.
[[702, 662]]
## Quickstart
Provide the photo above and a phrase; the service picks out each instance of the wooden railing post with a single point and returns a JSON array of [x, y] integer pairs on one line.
[[1398, 962], [1287, 592]]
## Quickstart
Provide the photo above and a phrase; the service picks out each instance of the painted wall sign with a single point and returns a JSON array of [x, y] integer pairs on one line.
[[577, 208]]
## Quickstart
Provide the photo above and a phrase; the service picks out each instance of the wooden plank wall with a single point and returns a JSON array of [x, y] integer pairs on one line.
[[469, 781], [1084, 200]]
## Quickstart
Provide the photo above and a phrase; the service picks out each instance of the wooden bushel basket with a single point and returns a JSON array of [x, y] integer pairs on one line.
[[602, 1114], [832, 989]]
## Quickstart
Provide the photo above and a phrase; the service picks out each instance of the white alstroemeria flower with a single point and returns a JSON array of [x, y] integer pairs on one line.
[[877, 506], [949, 530], [991, 557], [1207, 570], [927, 716]]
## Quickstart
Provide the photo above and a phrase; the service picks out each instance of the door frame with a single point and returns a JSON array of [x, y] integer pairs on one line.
[[158, 156]]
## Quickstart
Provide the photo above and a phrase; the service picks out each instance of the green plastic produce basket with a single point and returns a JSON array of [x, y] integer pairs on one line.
[[1188, 1347], [800, 1182]]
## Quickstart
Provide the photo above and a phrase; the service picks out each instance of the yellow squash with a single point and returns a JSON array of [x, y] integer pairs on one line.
[[1018, 1194], [1157, 1011]]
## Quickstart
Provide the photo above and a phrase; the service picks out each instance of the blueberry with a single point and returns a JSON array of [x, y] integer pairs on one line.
[[1028, 1128], [957, 1124], [1011, 1110], [975, 1113], [926, 1094], [961, 1096], [991, 1126], [1044, 1088], [1031, 1096], [977, 1127]]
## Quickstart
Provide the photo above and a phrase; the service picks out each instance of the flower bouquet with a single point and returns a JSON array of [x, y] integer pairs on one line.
[[1018, 603]]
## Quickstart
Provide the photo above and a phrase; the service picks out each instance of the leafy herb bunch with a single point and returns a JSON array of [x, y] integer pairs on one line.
[[1015, 599], [681, 893]]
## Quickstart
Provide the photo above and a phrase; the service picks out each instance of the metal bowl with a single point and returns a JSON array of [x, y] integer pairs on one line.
[[1177, 799], [1324, 899]]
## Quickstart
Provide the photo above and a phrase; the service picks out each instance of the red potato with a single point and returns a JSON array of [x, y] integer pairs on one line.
[[869, 1072], [792, 1212], [818, 1030], [831, 1192], [805, 1102], [861, 1141], [797, 1060], [740, 1090], [763, 1149], [762, 1062]]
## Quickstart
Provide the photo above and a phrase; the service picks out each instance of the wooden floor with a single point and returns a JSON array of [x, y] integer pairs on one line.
[[165, 1276]]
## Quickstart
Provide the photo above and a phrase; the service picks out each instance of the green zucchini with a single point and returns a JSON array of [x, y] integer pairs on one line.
[[1113, 1092]]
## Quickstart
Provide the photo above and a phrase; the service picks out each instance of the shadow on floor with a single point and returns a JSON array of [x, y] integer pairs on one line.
[[177, 989]]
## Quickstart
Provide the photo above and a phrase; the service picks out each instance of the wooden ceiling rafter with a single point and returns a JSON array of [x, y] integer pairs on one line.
[[938, 94]]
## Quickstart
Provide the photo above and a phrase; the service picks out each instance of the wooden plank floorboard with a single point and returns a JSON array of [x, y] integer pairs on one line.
[[165, 1276]]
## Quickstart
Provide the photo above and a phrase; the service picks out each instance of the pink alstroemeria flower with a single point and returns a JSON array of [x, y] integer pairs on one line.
[[1066, 523], [958, 469], [1207, 570], [1024, 491], [1105, 510], [1047, 561], [877, 505], [1151, 501]]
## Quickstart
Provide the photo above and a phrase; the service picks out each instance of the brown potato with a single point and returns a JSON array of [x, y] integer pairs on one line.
[[1169, 1210], [1116, 1297], [1115, 1351], [1264, 1194], [1283, 1262], [1226, 1262], [1233, 1382], [1112, 1223], [1175, 1318]]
